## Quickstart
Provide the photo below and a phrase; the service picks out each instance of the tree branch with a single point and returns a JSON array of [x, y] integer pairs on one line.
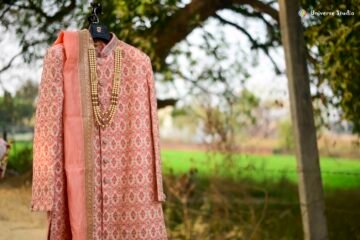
[[166, 102], [8, 65], [49, 19], [254, 43], [186, 19], [5, 11], [238, 27], [260, 7]]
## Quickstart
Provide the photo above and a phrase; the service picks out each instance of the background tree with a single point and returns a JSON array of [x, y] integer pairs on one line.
[[25, 101], [6, 112], [334, 55], [17, 110], [158, 26]]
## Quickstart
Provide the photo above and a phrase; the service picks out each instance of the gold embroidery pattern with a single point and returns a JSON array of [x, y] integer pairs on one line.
[[88, 131]]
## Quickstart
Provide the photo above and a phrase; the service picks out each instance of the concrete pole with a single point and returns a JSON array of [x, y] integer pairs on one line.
[[310, 184]]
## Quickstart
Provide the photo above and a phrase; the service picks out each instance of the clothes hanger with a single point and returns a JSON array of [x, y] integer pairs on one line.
[[97, 29]]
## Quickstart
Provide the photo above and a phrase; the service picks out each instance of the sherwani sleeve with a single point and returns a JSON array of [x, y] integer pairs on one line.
[[48, 130], [160, 195]]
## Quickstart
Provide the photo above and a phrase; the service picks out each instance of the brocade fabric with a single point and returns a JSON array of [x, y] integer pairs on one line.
[[126, 186]]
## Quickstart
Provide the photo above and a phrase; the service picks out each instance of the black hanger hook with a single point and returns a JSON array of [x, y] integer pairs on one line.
[[97, 29], [96, 11]]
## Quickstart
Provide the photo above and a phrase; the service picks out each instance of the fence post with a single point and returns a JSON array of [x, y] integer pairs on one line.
[[310, 184]]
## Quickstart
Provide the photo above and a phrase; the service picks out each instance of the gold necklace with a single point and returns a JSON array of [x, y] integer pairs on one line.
[[103, 119]]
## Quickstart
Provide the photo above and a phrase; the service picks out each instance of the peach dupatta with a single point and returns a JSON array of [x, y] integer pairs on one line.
[[78, 125]]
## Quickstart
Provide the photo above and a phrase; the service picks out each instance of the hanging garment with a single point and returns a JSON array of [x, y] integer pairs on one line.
[[93, 182]]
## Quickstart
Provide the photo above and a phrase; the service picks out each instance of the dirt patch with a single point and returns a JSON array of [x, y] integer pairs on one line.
[[17, 222]]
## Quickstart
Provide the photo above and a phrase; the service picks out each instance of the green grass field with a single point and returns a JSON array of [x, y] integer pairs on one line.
[[336, 173], [260, 193]]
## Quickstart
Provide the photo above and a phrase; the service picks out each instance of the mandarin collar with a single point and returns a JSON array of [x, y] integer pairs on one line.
[[109, 47]]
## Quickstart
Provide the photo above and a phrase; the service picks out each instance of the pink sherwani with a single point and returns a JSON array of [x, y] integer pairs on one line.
[[97, 183]]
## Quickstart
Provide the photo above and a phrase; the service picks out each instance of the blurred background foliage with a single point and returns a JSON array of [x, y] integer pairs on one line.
[[159, 26]]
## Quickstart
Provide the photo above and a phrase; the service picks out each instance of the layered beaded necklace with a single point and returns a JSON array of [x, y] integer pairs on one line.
[[103, 119]]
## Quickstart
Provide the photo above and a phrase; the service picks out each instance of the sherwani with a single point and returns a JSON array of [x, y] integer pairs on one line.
[[94, 182]]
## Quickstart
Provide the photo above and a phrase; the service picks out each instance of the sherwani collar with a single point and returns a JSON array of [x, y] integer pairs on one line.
[[109, 47]]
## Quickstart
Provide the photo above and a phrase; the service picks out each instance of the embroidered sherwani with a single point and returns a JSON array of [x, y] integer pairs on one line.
[[93, 182]]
